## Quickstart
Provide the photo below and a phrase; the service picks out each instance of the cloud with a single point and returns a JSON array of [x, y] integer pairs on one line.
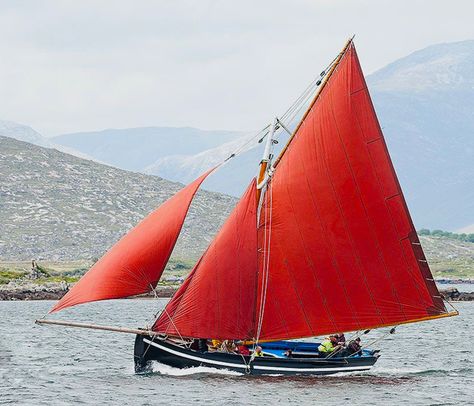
[[74, 66]]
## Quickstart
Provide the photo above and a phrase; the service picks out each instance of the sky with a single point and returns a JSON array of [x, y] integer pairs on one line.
[[70, 66]]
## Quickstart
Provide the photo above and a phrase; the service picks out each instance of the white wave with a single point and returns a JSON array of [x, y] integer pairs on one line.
[[398, 371], [167, 370]]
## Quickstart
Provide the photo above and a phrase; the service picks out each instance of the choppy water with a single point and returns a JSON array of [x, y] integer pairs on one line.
[[426, 363]]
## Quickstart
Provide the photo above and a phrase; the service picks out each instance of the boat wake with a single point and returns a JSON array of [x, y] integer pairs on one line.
[[407, 371], [163, 369]]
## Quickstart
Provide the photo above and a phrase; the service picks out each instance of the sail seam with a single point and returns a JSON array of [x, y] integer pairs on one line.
[[310, 263], [329, 245], [392, 169], [364, 207], [369, 221]]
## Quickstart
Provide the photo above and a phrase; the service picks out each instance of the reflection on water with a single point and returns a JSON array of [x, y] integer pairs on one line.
[[425, 363]]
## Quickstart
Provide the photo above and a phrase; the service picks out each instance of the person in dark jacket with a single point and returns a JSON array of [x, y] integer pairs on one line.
[[341, 339], [354, 347]]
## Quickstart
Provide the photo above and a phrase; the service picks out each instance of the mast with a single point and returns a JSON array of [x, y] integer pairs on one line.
[[263, 173]]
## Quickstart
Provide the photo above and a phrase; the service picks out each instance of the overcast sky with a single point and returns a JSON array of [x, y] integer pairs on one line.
[[70, 66]]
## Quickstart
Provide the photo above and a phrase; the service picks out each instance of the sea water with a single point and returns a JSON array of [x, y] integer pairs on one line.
[[421, 364]]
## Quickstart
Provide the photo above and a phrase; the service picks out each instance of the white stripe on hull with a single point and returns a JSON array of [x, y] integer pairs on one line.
[[260, 367]]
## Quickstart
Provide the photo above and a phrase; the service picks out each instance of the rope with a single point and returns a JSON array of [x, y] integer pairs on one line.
[[89, 343], [174, 325], [353, 337], [240, 149], [295, 108], [266, 264], [391, 331]]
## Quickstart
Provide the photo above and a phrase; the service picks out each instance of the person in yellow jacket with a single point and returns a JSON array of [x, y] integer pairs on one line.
[[258, 351], [328, 346], [215, 344]]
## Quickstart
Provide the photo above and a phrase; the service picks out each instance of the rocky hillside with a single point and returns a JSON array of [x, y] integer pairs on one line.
[[425, 103], [448, 257], [59, 207]]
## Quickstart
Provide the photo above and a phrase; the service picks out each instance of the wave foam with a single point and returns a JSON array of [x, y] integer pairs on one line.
[[163, 369]]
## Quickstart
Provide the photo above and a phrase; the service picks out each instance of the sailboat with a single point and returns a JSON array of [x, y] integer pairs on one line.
[[320, 242]]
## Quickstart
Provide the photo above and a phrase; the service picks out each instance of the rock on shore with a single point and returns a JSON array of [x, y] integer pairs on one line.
[[55, 291], [26, 290], [454, 295]]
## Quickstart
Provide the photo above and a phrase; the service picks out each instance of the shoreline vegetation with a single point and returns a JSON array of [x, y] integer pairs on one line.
[[450, 255], [25, 280], [50, 280]]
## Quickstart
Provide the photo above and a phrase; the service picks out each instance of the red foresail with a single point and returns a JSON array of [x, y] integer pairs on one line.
[[218, 298], [343, 252], [135, 264]]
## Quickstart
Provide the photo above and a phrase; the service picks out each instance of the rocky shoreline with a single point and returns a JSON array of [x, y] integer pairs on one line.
[[54, 291], [453, 295]]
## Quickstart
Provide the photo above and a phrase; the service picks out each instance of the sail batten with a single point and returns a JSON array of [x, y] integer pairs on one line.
[[134, 264]]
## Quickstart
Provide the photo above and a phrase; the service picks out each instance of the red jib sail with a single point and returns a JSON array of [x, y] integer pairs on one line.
[[135, 264], [218, 298], [344, 254]]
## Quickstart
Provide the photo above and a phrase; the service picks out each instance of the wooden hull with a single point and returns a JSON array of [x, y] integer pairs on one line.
[[149, 349]]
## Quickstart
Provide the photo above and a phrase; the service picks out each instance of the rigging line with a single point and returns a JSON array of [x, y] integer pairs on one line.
[[304, 103], [262, 276], [298, 99], [267, 263], [263, 271], [305, 97], [251, 139], [99, 347], [151, 321], [172, 322], [264, 263], [265, 268], [301, 100], [451, 305], [351, 338], [313, 82], [391, 331]]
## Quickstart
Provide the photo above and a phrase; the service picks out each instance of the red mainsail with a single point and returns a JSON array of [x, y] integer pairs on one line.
[[335, 247], [218, 298], [344, 254], [135, 264]]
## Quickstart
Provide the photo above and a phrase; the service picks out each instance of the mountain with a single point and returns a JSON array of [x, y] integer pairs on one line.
[[136, 148], [59, 207], [467, 230], [232, 178], [23, 132], [425, 104]]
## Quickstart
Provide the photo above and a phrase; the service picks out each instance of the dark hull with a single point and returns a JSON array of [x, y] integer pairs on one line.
[[148, 350]]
